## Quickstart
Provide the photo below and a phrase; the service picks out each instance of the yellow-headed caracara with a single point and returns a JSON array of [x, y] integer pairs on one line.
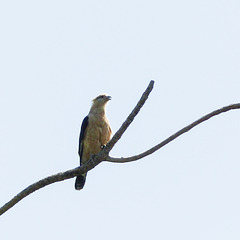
[[95, 134]]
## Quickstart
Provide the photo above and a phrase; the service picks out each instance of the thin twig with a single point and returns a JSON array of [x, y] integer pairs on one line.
[[174, 136]]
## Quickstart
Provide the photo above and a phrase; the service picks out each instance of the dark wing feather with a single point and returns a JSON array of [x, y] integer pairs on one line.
[[82, 133]]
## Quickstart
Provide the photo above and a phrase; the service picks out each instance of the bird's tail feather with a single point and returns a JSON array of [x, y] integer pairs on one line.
[[80, 182]]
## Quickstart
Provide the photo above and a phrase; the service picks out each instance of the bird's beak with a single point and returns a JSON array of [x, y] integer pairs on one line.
[[109, 98]]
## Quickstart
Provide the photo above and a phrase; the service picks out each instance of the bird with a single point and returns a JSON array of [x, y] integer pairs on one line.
[[95, 133]]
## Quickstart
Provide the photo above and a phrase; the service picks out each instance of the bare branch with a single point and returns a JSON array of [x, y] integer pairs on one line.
[[94, 161], [130, 118], [104, 154], [44, 182], [174, 136]]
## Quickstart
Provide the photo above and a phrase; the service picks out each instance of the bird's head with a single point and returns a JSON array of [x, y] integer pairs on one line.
[[101, 100]]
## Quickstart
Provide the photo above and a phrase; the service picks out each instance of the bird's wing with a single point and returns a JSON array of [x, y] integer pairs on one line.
[[81, 137]]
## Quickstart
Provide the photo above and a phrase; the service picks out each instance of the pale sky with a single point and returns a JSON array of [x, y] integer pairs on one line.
[[56, 56]]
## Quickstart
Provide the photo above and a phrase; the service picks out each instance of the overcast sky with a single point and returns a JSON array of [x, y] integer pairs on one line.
[[56, 56]]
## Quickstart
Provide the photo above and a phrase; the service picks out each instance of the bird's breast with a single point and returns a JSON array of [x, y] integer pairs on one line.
[[98, 134]]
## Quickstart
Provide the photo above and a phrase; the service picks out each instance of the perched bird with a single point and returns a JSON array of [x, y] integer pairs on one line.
[[95, 134]]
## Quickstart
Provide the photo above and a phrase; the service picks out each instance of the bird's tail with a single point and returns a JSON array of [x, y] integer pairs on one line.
[[80, 181]]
